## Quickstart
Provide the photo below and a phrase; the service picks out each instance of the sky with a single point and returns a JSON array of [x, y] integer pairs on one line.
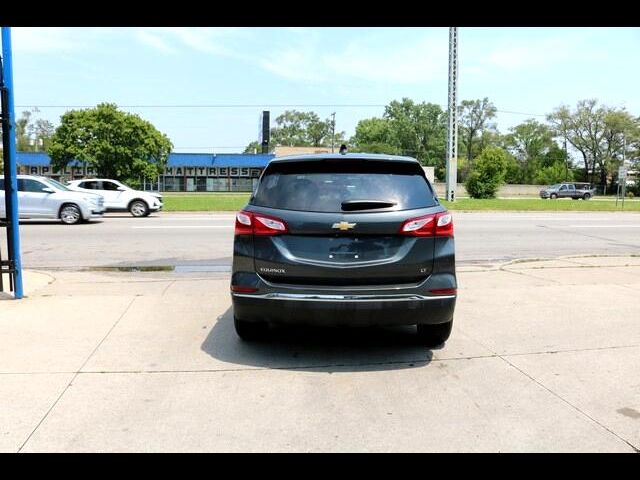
[[206, 87]]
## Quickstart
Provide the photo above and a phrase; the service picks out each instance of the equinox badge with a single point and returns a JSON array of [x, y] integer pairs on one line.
[[343, 225]]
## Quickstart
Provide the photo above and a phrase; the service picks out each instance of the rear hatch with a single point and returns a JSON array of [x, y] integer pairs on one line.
[[339, 222]]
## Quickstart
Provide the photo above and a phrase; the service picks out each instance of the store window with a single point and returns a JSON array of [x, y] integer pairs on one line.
[[201, 184], [241, 185], [172, 184]]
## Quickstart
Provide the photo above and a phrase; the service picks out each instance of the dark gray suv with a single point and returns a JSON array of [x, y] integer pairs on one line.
[[344, 239]]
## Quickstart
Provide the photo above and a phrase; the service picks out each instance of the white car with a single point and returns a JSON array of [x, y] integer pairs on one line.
[[119, 197], [41, 197]]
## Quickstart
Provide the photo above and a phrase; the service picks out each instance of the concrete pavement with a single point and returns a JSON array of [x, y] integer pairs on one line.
[[543, 357]]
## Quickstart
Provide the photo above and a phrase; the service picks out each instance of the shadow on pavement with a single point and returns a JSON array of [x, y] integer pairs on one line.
[[319, 349], [33, 221]]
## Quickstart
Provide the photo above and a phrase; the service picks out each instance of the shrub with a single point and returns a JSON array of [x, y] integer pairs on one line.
[[555, 173], [488, 173]]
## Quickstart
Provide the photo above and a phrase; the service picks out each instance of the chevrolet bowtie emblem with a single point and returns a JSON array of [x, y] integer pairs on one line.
[[343, 225]]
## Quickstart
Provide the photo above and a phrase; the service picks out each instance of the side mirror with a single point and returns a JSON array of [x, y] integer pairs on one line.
[[48, 190], [122, 189]]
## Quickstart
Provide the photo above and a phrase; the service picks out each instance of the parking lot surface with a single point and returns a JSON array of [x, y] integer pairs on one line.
[[543, 357]]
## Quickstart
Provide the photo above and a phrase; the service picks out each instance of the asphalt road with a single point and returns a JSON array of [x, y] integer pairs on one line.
[[204, 241]]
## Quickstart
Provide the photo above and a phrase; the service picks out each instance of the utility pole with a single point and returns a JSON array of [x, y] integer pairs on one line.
[[566, 162], [333, 130], [452, 129]]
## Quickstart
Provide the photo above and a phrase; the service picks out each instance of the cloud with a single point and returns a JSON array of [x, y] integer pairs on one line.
[[207, 40], [370, 60], [531, 56], [505, 54], [42, 40], [154, 41]]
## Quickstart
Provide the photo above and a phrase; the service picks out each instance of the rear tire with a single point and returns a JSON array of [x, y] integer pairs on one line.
[[434, 335], [586, 196], [139, 208], [249, 331], [70, 214]]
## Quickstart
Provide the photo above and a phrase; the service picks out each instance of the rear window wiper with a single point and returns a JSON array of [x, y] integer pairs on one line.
[[349, 205]]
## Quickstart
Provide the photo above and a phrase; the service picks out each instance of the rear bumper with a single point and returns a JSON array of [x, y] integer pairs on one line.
[[344, 309]]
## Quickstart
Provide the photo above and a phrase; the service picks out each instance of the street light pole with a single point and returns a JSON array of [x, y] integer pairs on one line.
[[333, 130]]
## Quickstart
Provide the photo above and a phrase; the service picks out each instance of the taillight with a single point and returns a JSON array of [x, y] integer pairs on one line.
[[433, 225], [444, 291], [444, 225], [243, 224], [243, 289], [249, 223]]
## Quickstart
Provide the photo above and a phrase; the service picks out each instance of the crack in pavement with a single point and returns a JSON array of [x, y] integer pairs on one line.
[[611, 240], [76, 374], [560, 397], [325, 365], [557, 395]]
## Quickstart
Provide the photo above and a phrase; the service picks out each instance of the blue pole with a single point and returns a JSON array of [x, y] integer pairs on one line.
[[12, 216]]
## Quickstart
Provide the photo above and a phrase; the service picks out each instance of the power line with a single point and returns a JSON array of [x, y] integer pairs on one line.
[[257, 105], [521, 113], [229, 105], [210, 147]]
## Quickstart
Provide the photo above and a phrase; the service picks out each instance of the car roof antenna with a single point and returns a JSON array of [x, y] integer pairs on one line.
[[343, 149]]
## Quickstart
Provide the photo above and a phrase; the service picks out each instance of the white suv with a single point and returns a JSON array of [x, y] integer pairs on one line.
[[41, 197], [119, 197]]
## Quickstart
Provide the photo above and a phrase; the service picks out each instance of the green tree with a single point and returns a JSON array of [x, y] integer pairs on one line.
[[488, 173], [303, 129], [33, 134], [554, 173], [556, 154], [374, 135], [474, 121], [529, 142], [256, 147], [43, 131], [601, 134], [418, 129], [117, 144], [514, 173], [22, 132]]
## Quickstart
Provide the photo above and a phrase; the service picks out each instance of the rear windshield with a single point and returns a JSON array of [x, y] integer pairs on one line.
[[323, 186]]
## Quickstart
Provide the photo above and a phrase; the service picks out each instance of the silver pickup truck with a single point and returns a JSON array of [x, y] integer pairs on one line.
[[573, 190]]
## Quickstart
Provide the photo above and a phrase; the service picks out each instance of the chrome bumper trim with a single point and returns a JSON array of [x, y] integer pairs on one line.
[[344, 298]]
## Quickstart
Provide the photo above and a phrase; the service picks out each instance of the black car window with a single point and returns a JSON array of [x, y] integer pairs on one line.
[[323, 186], [92, 185], [29, 185], [109, 186]]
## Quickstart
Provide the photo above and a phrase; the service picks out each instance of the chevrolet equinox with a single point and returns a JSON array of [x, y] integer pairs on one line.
[[344, 239]]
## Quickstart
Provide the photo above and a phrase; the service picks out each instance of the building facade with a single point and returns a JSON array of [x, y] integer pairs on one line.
[[185, 172]]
